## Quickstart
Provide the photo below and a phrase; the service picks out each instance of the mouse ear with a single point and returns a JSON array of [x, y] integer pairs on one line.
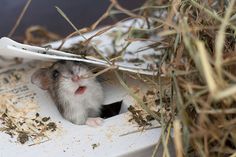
[[41, 78]]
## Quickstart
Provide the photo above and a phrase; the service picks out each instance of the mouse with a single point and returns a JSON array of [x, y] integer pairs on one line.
[[77, 95]]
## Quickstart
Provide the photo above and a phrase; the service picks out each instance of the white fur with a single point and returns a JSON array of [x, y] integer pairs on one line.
[[74, 107], [77, 108]]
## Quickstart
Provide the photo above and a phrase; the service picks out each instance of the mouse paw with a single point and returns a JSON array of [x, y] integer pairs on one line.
[[94, 122]]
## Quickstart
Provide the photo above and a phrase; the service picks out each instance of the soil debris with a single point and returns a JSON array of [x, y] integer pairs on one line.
[[95, 145], [24, 127], [22, 137]]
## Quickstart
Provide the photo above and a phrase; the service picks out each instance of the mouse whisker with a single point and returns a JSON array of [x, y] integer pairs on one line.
[[101, 72]]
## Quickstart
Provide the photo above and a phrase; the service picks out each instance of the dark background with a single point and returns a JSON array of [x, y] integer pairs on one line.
[[42, 12]]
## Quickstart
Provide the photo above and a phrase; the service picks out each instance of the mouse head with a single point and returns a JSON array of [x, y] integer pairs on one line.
[[62, 73]]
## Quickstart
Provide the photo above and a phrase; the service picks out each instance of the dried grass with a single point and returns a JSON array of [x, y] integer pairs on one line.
[[199, 59], [199, 39]]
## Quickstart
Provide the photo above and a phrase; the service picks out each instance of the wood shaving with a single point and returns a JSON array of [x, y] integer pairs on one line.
[[23, 122]]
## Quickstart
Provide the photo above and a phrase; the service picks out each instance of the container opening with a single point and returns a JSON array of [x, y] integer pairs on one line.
[[111, 110]]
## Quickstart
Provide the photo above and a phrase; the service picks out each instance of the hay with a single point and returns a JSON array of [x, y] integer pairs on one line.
[[198, 57]]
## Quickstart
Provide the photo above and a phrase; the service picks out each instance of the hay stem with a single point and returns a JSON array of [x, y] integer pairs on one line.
[[210, 13], [178, 138], [206, 67], [19, 18], [220, 38]]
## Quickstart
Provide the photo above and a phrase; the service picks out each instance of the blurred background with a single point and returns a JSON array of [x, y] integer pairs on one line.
[[42, 12]]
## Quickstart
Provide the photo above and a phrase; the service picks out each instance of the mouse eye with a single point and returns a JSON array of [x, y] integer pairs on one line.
[[55, 74]]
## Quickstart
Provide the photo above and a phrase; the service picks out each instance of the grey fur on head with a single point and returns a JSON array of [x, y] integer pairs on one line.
[[76, 98]]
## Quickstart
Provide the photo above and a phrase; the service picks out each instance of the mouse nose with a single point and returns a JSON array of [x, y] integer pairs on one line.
[[75, 78]]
